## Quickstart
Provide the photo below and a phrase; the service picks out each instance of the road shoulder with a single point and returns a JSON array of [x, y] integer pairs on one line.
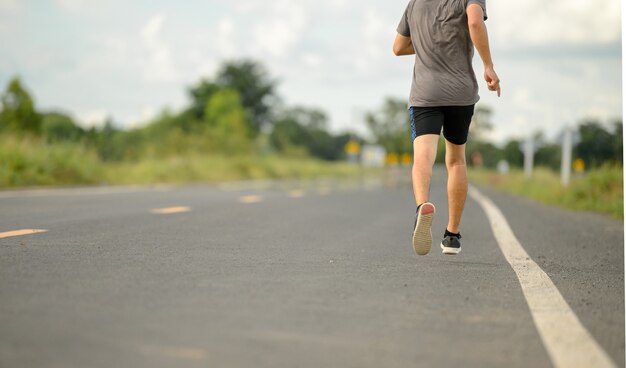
[[583, 253]]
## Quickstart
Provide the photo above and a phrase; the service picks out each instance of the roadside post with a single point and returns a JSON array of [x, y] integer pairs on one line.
[[566, 157], [529, 152]]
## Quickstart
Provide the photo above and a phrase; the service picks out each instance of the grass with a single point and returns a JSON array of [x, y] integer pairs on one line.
[[599, 190], [216, 168], [30, 161]]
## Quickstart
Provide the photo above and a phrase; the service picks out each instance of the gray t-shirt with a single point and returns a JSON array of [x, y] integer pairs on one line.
[[443, 73]]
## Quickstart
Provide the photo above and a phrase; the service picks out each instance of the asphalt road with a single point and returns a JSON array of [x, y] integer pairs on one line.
[[289, 274]]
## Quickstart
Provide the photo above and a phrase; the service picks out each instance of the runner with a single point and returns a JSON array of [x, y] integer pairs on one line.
[[442, 35]]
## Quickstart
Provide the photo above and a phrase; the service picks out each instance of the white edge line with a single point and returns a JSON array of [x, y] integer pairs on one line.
[[566, 340]]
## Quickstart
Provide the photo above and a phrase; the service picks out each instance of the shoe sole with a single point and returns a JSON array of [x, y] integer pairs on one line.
[[422, 236], [450, 251]]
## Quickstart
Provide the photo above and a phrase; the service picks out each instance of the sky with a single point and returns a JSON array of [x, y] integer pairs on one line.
[[559, 61]]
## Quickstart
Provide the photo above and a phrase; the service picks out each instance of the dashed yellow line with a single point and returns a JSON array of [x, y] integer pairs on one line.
[[8, 234], [171, 210], [324, 191], [296, 193], [250, 199]]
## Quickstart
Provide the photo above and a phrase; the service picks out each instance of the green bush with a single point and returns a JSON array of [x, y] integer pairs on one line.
[[29, 161]]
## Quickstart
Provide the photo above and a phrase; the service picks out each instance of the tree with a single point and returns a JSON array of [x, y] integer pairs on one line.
[[108, 142], [287, 135], [391, 127], [324, 145], [489, 153], [18, 110], [255, 87], [513, 154], [246, 77], [200, 95], [225, 112], [60, 127], [311, 118], [549, 155], [302, 127], [597, 145], [226, 123]]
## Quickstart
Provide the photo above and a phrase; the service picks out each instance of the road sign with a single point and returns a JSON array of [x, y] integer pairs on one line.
[[579, 166], [406, 159], [373, 155], [352, 147]]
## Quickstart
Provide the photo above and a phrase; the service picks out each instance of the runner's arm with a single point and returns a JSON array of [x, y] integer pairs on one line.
[[478, 34], [403, 46]]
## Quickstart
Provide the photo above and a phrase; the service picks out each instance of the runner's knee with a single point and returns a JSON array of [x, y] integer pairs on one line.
[[455, 159]]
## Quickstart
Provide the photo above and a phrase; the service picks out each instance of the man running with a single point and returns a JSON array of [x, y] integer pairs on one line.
[[442, 34]]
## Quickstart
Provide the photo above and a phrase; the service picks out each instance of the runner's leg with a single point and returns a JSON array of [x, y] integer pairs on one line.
[[457, 184], [424, 154], [455, 131]]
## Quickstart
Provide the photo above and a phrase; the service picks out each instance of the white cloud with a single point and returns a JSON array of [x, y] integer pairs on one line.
[[199, 61], [71, 5], [157, 63], [225, 37], [338, 6], [559, 22], [312, 60], [248, 6], [9, 6], [115, 51], [370, 53], [521, 96], [280, 28]]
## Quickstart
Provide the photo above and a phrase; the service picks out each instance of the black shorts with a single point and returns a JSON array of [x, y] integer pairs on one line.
[[455, 121]]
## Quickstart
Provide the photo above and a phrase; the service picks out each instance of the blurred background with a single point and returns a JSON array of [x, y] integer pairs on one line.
[[111, 92]]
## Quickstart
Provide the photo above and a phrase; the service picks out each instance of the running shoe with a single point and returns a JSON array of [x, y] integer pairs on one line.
[[422, 236], [451, 245]]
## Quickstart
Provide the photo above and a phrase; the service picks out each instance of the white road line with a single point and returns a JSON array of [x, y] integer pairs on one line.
[[567, 341]]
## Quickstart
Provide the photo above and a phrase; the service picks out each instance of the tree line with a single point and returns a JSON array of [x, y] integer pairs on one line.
[[239, 112], [236, 112], [595, 143]]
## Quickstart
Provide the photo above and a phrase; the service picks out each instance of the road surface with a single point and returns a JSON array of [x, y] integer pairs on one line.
[[298, 274]]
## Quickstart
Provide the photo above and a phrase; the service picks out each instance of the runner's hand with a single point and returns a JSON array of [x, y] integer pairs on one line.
[[493, 82]]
